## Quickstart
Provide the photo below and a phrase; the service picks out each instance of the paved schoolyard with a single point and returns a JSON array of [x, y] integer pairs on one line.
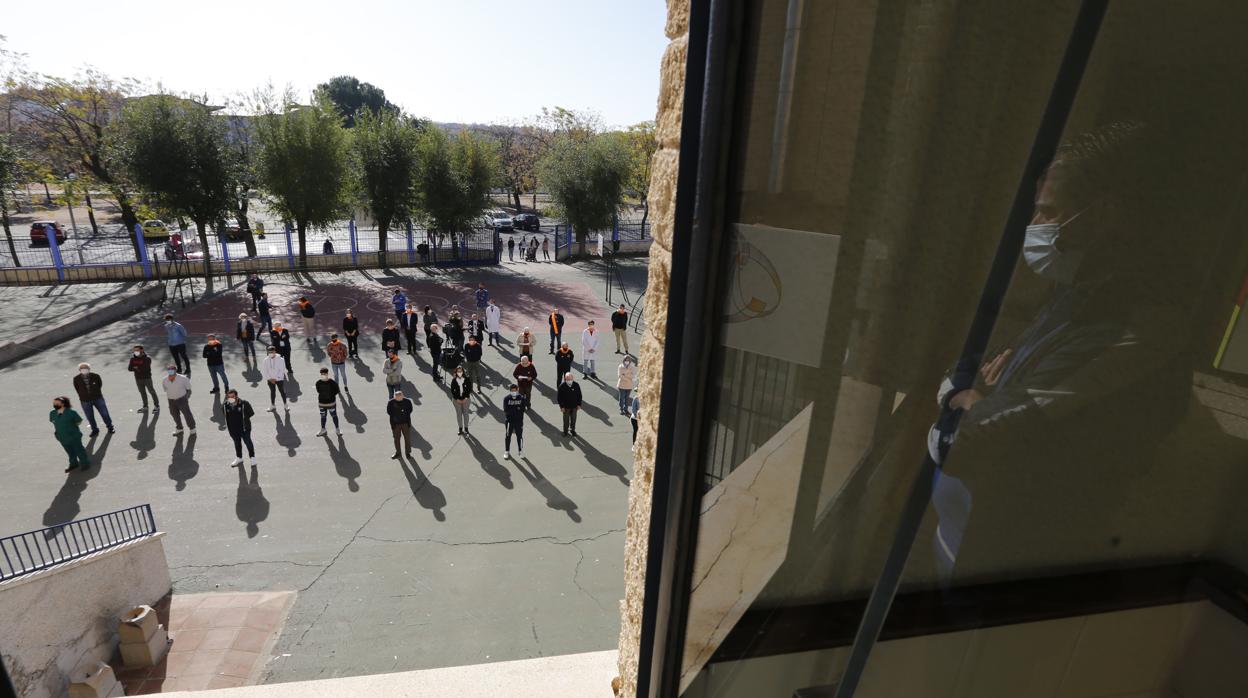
[[454, 557]]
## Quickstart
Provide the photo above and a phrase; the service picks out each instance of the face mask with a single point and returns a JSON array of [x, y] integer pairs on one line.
[[172, 372], [515, 392], [138, 353], [1041, 254], [233, 400], [168, 323], [567, 381]]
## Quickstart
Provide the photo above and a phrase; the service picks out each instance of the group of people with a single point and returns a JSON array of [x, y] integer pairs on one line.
[[455, 348], [528, 247]]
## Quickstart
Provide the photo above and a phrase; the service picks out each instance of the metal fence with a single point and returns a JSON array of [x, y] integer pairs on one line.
[[622, 238], [37, 550]]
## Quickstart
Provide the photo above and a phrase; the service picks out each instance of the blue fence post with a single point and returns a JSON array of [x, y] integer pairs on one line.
[[498, 247], [615, 228], [225, 252], [142, 245], [411, 249], [54, 246], [355, 246], [290, 250]]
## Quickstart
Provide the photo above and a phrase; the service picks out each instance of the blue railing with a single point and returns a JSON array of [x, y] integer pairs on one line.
[[37, 550]]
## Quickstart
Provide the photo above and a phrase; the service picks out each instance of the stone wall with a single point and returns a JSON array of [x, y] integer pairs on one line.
[[662, 208]]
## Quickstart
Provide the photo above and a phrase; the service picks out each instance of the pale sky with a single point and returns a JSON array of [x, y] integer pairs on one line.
[[481, 61]]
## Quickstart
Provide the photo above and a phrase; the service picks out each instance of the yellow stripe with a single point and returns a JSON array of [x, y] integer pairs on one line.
[[1226, 337]]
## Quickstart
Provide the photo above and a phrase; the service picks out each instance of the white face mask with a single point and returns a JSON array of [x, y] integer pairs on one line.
[[515, 392], [567, 381], [233, 400], [138, 353], [1041, 253]]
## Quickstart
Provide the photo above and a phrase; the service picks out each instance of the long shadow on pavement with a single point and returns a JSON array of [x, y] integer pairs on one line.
[[64, 506], [183, 466], [145, 436], [354, 415], [555, 499], [347, 467], [250, 506], [602, 462], [286, 435], [427, 494], [489, 464]]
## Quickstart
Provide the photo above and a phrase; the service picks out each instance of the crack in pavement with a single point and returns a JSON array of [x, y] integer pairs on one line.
[[546, 539], [249, 562], [346, 545]]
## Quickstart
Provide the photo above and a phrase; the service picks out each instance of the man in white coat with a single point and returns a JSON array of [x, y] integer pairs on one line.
[[493, 320], [273, 369], [589, 351]]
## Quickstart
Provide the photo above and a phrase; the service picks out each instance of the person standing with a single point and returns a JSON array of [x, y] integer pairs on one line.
[[475, 328], [399, 300], [266, 318], [214, 357], [454, 328], [328, 247], [514, 406], [337, 352], [493, 323], [619, 325], [390, 338], [430, 318], [90, 391], [634, 413], [309, 318], [399, 409], [393, 371], [327, 393], [589, 351], [68, 433], [351, 328], [569, 397], [511, 249], [546, 249], [177, 343], [141, 366], [177, 389], [246, 334], [626, 380], [461, 390], [238, 414], [525, 374], [273, 369], [524, 343], [255, 286], [555, 324], [482, 297], [434, 341], [563, 361], [279, 339], [410, 324], [472, 361]]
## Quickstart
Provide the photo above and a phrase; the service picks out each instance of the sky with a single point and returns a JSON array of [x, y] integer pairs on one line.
[[465, 61]]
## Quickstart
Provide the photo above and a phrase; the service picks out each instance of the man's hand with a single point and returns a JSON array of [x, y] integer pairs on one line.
[[965, 399], [991, 371]]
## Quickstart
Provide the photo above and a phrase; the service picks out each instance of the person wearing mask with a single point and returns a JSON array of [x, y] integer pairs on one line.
[[554, 323], [399, 300], [472, 361], [177, 389], [525, 374], [255, 286], [475, 328], [266, 317], [511, 249], [390, 338], [392, 369], [563, 360], [461, 391], [434, 341], [569, 397], [90, 391], [454, 328], [327, 394], [246, 334], [141, 366], [337, 352], [634, 413], [524, 343], [308, 313], [351, 328], [493, 323], [589, 351], [619, 325], [177, 344], [626, 380], [546, 249], [399, 410], [482, 296], [68, 433], [429, 318], [273, 369], [238, 414], [279, 339], [214, 357], [410, 323], [514, 406]]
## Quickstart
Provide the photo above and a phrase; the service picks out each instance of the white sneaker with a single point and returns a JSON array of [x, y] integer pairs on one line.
[[253, 460], [286, 407], [191, 431], [320, 433], [236, 462], [271, 409], [521, 451], [177, 431], [506, 455], [338, 432]]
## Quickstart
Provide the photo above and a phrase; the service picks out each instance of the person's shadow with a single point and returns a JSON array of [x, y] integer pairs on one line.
[[547, 429], [218, 414], [354, 415], [427, 494], [251, 373], [422, 444], [488, 462], [97, 448], [410, 391], [183, 465], [555, 499], [596, 412], [250, 506], [315, 351], [64, 506], [293, 391], [602, 462], [145, 437], [347, 467], [363, 371], [286, 435]]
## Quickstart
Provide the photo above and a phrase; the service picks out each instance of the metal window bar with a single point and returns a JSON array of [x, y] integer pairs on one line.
[[23, 553]]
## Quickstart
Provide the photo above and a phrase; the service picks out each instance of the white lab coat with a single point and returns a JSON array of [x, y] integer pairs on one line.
[[493, 318], [589, 344], [273, 368]]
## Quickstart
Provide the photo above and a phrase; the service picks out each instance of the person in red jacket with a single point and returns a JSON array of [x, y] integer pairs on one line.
[[141, 367]]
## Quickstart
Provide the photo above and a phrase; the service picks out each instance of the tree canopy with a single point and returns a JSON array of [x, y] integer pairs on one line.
[[386, 148], [456, 173], [351, 97], [586, 180]]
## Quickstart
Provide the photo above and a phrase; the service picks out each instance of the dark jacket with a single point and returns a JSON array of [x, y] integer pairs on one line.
[[472, 352], [569, 395], [619, 320], [555, 322], [255, 286], [400, 411], [429, 318], [475, 328], [238, 417], [212, 353], [461, 388], [390, 339], [140, 366], [410, 322], [454, 327], [326, 391], [435, 344], [563, 360], [263, 307], [306, 309], [451, 358], [525, 373], [88, 386], [280, 340], [350, 326], [513, 408], [246, 331]]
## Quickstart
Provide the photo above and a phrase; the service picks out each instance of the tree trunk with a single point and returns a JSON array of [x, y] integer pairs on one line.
[[302, 227], [47, 193], [95, 228], [579, 234], [129, 219], [8, 234], [645, 213], [383, 231], [202, 227], [244, 227], [515, 194]]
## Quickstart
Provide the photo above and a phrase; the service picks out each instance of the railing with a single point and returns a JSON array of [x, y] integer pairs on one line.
[[623, 237], [37, 550]]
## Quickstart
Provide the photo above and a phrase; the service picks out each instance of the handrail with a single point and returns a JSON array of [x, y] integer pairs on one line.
[[40, 549]]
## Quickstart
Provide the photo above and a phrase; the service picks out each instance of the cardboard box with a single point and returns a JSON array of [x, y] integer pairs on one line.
[[94, 680], [141, 654], [137, 625]]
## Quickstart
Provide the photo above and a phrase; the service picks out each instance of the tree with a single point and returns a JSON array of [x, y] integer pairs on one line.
[[350, 97], [303, 165], [175, 149], [518, 149], [10, 164], [455, 176], [586, 180], [386, 149], [641, 144]]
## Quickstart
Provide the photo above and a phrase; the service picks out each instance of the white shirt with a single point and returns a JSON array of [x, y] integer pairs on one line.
[[589, 342], [273, 368], [177, 388], [493, 315]]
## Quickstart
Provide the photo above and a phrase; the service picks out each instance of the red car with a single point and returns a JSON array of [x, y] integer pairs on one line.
[[39, 233]]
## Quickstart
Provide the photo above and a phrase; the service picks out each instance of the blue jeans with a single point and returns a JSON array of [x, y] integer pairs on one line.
[[626, 397], [340, 373], [218, 369], [249, 347], [90, 406]]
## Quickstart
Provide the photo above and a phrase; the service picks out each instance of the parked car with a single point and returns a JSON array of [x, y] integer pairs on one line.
[[155, 229], [526, 221], [230, 230], [498, 220], [39, 233]]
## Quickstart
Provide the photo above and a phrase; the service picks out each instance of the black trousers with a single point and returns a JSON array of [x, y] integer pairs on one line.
[[180, 359], [239, 440], [353, 345], [274, 389], [411, 341], [516, 428]]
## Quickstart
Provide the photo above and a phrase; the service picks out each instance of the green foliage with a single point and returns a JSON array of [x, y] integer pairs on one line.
[[456, 173], [10, 164], [352, 98], [640, 142], [386, 162], [586, 180]]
